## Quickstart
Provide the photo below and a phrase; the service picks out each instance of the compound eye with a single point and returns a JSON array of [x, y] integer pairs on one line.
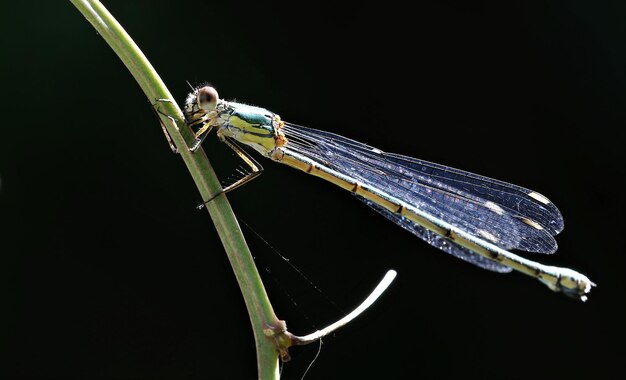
[[207, 98]]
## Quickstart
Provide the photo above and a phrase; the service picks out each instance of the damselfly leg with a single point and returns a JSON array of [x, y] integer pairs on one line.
[[255, 169], [205, 127], [157, 111]]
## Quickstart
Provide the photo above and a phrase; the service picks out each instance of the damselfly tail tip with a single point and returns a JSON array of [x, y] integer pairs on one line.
[[567, 281], [584, 297], [574, 284]]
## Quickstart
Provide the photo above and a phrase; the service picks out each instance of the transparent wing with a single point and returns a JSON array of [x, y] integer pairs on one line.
[[438, 241], [507, 215], [524, 202]]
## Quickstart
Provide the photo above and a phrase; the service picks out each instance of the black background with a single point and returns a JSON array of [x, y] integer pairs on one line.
[[109, 271]]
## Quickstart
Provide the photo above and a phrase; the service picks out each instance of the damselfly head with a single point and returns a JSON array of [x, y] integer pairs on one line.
[[207, 98], [200, 102]]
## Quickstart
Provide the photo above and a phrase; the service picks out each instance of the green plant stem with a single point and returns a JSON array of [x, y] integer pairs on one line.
[[259, 308]]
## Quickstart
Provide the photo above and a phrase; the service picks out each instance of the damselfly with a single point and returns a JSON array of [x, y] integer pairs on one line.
[[474, 218]]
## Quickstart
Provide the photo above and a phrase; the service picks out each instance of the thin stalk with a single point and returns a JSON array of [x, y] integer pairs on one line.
[[319, 334], [257, 303]]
